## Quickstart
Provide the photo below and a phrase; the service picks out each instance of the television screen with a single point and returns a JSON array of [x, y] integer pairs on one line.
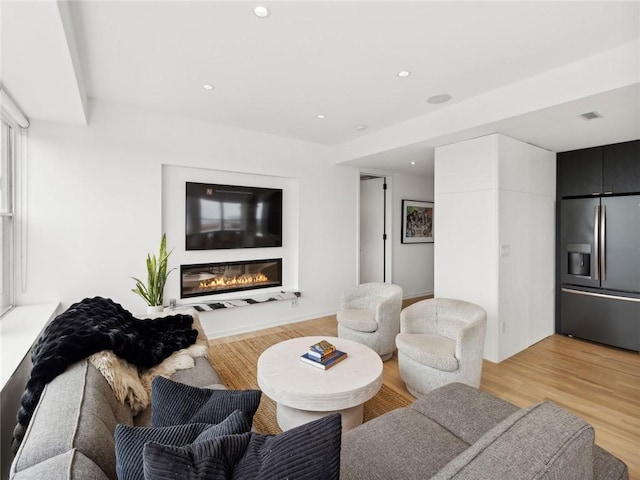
[[232, 216]]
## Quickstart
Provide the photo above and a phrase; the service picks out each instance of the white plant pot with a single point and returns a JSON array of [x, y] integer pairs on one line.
[[154, 309]]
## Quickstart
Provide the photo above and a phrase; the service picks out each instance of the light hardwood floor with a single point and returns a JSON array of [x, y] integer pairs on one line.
[[598, 383]]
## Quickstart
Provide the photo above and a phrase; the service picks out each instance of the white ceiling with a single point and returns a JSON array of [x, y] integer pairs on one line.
[[507, 66]]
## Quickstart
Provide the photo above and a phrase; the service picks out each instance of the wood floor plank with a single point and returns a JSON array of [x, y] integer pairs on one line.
[[598, 383]]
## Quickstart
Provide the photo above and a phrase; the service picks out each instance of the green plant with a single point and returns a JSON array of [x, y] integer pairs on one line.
[[157, 274]]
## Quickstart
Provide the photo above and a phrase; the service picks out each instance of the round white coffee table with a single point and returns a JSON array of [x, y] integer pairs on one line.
[[304, 392]]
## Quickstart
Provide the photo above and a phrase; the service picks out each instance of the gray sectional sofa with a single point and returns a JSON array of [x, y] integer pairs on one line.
[[71, 433], [455, 432], [458, 432]]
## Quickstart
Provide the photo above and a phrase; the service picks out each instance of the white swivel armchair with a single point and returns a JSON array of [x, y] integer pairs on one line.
[[370, 314], [441, 341]]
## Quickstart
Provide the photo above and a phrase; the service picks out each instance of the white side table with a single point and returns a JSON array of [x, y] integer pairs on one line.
[[304, 393]]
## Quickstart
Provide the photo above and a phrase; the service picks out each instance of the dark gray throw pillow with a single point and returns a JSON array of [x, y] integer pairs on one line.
[[130, 440], [176, 403], [308, 452]]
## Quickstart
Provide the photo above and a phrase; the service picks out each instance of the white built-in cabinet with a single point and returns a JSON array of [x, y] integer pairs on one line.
[[494, 224]]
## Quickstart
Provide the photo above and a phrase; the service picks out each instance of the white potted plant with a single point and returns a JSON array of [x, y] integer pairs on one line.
[[152, 292]]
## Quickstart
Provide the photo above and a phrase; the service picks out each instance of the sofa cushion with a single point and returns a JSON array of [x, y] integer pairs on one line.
[[76, 410], [432, 350], [362, 320], [72, 465], [176, 403], [308, 452], [542, 442], [465, 411], [143, 419], [401, 444], [606, 465], [130, 440]]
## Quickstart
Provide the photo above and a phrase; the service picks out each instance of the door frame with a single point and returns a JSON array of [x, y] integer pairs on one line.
[[388, 262]]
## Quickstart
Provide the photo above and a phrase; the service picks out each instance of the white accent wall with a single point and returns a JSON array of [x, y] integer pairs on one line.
[[174, 179], [495, 231], [95, 209]]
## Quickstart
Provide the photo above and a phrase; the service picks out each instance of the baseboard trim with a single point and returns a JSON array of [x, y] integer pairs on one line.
[[262, 326]]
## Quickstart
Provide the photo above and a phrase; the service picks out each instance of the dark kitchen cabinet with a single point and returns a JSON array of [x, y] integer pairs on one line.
[[607, 170], [621, 168], [580, 172]]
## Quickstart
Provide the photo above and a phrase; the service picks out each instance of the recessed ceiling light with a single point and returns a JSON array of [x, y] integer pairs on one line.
[[404, 73], [261, 11], [436, 99], [413, 163], [206, 86], [439, 99], [361, 127], [321, 116]]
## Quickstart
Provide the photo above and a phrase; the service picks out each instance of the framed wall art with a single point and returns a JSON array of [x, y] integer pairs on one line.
[[417, 221]]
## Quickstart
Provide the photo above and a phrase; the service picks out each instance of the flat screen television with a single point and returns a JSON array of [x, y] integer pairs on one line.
[[232, 216]]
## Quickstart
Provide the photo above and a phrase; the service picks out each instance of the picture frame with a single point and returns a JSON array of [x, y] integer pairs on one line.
[[417, 221]]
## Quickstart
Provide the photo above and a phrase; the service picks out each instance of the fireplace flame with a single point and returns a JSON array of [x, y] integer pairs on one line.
[[237, 280]]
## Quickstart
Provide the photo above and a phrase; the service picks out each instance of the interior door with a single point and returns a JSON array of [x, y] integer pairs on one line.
[[372, 220]]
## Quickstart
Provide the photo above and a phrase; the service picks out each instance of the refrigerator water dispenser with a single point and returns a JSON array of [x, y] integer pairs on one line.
[[579, 256]]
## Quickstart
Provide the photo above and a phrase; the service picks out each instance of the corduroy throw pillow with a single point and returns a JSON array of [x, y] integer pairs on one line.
[[176, 403], [130, 440], [308, 452]]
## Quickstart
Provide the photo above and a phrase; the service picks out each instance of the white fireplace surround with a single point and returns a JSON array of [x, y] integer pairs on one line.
[[174, 179]]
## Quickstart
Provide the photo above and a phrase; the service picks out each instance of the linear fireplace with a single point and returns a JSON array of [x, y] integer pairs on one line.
[[226, 277]]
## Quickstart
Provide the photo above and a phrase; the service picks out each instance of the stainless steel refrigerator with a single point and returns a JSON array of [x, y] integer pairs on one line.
[[600, 269]]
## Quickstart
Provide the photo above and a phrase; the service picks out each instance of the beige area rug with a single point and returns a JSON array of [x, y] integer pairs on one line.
[[236, 362]]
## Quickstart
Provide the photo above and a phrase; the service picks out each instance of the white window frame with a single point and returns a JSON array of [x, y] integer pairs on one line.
[[7, 213], [14, 156]]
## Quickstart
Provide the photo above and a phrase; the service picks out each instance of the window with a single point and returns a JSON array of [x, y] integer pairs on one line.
[[7, 146]]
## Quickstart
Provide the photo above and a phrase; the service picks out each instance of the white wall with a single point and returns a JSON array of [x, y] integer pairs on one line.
[[412, 263], [527, 180], [95, 197], [466, 228], [495, 228]]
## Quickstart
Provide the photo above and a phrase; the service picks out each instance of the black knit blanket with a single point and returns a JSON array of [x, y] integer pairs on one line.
[[93, 325]]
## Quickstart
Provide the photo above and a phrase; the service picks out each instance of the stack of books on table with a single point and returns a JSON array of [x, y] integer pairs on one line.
[[323, 355]]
